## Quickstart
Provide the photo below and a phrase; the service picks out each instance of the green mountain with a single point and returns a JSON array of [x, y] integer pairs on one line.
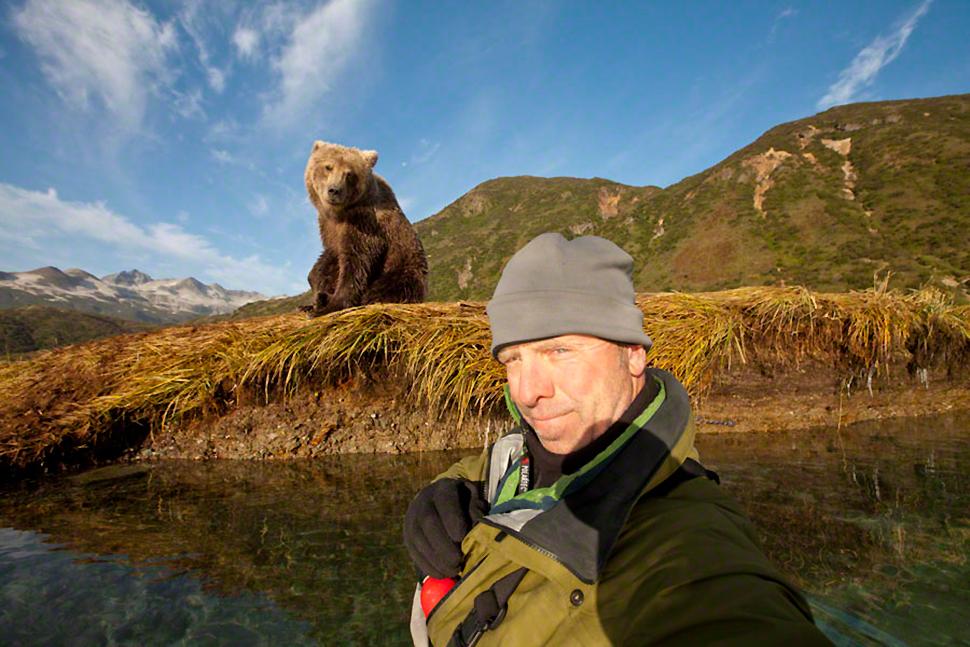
[[277, 306], [825, 202], [37, 327]]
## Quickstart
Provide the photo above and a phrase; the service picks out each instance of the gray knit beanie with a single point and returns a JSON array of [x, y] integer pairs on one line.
[[554, 286]]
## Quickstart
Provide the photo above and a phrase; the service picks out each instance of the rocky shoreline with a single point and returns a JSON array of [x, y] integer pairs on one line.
[[365, 416], [396, 378]]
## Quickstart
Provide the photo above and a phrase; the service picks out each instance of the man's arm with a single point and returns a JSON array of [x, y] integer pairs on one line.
[[470, 468], [689, 570], [440, 516]]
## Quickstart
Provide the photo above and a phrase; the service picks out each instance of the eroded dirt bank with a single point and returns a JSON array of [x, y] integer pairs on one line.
[[366, 416]]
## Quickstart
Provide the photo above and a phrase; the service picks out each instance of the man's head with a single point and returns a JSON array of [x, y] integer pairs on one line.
[[566, 327]]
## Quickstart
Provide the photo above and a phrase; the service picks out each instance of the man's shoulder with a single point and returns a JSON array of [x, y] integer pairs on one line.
[[693, 548], [691, 502], [692, 526]]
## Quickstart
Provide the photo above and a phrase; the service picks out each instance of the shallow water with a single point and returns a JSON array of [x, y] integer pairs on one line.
[[873, 521]]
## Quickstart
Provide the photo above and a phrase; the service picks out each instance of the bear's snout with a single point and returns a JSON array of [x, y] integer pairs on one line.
[[336, 194]]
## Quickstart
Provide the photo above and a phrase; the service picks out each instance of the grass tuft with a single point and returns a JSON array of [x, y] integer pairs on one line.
[[75, 396]]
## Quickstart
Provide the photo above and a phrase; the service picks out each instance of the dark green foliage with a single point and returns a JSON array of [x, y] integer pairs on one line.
[[910, 197], [31, 328]]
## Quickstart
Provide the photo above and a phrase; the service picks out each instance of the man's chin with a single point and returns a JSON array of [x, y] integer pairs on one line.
[[551, 431], [545, 423]]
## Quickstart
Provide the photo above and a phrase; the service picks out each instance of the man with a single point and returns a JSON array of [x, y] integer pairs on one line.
[[592, 522]]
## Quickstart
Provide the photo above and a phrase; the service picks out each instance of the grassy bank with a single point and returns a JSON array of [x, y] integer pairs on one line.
[[111, 393]]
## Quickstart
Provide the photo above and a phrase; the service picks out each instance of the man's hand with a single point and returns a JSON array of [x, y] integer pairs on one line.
[[437, 520]]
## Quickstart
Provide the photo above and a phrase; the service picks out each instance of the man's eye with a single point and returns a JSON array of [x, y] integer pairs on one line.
[[561, 350]]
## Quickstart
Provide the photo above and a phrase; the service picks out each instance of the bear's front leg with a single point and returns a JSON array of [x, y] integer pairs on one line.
[[319, 305], [322, 278], [354, 270]]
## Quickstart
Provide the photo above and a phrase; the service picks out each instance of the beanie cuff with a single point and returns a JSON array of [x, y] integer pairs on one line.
[[534, 315]]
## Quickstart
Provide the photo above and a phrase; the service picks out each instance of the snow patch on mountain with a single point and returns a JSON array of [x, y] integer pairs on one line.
[[130, 294]]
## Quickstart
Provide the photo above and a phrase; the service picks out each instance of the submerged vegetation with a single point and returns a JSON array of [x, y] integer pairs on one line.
[[120, 389]]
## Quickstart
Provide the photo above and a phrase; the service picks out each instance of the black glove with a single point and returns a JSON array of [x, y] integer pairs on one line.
[[437, 520]]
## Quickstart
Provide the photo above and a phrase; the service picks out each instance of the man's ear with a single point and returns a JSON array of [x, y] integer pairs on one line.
[[637, 360]]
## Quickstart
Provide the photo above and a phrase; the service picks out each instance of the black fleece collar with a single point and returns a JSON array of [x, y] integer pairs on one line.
[[548, 467], [581, 528]]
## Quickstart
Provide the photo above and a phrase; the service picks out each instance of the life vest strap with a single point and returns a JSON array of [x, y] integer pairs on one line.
[[489, 610]]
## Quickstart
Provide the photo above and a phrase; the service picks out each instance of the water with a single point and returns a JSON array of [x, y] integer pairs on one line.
[[872, 521]]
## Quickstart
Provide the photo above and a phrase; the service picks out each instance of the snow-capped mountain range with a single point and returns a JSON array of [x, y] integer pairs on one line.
[[130, 295]]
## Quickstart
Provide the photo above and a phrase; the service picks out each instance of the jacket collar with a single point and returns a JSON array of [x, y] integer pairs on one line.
[[578, 519]]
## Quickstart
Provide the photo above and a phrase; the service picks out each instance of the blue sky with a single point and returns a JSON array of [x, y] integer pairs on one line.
[[172, 136]]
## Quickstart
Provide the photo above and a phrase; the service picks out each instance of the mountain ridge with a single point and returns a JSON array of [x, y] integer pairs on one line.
[[130, 295], [825, 201]]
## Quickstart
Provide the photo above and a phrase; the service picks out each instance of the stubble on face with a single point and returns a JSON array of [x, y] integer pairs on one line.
[[571, 388]]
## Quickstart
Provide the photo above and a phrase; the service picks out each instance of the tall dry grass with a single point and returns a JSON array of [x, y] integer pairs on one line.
[[73, 397]]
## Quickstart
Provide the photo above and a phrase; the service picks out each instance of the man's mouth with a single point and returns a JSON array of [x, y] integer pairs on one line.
[[545, 418]]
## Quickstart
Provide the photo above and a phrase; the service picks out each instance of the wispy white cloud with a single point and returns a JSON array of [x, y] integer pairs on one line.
[[264, 28], [105, 51], [258, 206], [217, 79], [246, 41], [320, 47], [30, 217], [192, 18], [222, 131], [222, 156], [423, 153], [426, 150], [787, 12], [864, 68], [188, 104]]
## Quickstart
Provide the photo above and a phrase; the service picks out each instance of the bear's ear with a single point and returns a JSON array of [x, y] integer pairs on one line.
[[317, 145], [370, 157]]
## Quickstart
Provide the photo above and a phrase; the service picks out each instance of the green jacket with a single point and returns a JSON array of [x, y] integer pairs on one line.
[[626, 551]]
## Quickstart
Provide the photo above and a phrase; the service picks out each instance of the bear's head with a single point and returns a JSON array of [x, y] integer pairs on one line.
[[337, 175]]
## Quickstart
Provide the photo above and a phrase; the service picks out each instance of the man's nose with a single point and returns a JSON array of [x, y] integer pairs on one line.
[[535, 382]]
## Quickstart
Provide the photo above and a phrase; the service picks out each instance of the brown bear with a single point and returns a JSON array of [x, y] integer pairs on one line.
[[371, 252]]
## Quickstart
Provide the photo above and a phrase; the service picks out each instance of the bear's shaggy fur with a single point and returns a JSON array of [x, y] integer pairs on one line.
[[371, 252]]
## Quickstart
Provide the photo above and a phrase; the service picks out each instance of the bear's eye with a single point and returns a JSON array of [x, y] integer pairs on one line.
[[351, 179], [329, 167]]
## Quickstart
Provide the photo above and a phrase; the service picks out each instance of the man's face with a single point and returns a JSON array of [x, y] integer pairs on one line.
[[571, 388]]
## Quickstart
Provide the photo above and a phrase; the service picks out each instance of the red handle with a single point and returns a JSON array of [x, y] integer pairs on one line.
[[432, 590]]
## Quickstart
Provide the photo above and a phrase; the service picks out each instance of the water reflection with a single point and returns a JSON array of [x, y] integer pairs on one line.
[[60, 597], [319, 539], [872, 521]]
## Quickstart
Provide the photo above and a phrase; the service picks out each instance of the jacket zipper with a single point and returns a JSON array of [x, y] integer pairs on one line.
[[539, 549]]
